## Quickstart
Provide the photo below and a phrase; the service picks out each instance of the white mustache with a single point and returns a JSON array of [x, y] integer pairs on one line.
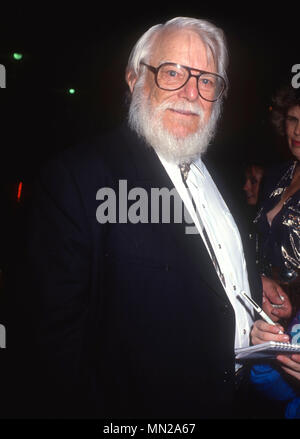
[[181, 106]]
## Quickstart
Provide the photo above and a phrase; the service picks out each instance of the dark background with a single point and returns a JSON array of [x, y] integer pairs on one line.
[[87, 47]]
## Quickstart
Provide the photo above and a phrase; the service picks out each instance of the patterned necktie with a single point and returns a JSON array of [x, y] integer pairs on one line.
[[184, 169]]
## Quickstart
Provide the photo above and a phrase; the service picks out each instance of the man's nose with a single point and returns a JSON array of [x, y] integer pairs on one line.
[[190, 90]]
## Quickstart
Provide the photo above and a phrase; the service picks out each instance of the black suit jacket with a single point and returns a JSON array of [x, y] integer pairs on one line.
[[129, 320]]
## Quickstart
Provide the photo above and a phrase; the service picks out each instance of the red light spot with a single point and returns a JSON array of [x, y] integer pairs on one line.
[[19, 191]]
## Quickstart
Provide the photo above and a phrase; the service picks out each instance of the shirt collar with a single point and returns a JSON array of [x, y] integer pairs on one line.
[[197, 165]]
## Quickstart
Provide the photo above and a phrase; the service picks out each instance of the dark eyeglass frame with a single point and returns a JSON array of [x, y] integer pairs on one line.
[[155, 70]]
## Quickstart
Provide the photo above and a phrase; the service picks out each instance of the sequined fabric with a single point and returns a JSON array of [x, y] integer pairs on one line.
[[279, 244]]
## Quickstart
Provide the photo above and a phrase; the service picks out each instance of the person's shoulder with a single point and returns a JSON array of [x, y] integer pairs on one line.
[[272, 176], [98, 150], [93, 155], [277, 169]]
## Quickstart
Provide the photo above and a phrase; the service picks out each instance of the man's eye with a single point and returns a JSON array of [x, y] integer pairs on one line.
[[172, 73], [206, 81], [291, 119]]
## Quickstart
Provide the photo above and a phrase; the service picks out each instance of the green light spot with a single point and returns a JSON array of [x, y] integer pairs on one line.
[[17, 56], [71, 91]]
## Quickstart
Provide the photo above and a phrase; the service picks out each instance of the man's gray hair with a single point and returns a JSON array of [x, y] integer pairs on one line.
[[212, 36]]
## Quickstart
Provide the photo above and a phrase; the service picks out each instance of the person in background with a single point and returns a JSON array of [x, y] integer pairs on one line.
[[278, 219], [279, 224], [253, 177]]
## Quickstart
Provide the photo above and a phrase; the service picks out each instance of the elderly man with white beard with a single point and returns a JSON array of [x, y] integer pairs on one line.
[[137, 318]]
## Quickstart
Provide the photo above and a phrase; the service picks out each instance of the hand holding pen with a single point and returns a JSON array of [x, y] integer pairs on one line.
[[266, 330], [257, 308], [262, 332]]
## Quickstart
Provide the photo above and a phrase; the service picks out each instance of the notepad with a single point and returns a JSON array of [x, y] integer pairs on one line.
[[266, 350]]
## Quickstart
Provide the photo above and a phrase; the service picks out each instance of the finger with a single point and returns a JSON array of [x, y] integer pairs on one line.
[[261, 325], [272, 290], [292, 372], [289, 363], [296, 358], [281, 313], [266, 301], [277, 311], [286, 304], [271, 293], [280, 291], [263, 332], [269, 310], [275, 297], [263, 337]]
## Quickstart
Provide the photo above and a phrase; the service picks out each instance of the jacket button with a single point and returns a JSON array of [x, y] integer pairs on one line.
[[227, 376], [225, 309]]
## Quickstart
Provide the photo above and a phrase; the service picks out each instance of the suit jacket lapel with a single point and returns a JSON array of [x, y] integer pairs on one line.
[[150, 173]]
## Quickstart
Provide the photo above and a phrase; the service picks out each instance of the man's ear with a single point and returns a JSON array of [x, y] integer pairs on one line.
[[131, 79]]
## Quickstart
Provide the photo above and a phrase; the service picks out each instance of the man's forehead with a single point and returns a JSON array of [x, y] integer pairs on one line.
[[183, 46]]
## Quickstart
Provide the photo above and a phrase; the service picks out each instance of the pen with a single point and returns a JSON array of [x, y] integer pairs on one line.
[[258, 309]]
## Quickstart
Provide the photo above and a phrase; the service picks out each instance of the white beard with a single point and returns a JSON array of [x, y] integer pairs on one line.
[[147, 122]]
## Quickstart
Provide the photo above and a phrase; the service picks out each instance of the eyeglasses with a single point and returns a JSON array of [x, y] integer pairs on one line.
[[172, 76]]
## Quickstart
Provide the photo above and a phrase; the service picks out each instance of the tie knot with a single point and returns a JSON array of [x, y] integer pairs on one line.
[[184, 169]]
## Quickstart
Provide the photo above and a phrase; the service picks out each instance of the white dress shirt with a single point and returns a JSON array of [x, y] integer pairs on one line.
[[223, 235]]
